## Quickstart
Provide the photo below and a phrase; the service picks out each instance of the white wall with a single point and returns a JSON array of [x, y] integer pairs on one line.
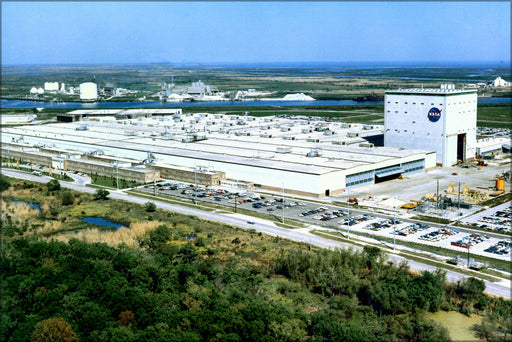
[[450, 151], [462, 119], [16, 119], [407, 125]]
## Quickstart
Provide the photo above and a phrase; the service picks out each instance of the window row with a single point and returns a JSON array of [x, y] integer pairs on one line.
[[357, 182]]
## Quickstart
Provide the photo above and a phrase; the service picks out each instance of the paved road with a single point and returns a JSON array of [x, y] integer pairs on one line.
[[499, 289], [293, 212]]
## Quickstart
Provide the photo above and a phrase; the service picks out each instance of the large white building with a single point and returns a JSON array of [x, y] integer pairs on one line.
[[441, 120], [305, 156]]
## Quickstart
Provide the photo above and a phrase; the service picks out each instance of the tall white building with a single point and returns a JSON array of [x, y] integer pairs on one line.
[[441, 120]]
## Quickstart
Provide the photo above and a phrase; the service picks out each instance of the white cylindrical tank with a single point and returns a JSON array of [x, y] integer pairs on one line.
[[33, 90], [88, 91], [40, 91]]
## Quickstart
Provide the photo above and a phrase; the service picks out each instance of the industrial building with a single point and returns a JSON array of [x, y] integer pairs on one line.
[[300, 155], [441, 120], [96, 163], [51, 87], [489, 147], [17, 119], [86, 114]]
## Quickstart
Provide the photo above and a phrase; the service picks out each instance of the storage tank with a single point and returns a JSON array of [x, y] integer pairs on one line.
[[500, 184], [88, 91]]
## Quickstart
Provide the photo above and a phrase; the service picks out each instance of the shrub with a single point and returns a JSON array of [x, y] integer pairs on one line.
[[101, 194], [53, 185], [150, 207], [67, 198], [4, 184]]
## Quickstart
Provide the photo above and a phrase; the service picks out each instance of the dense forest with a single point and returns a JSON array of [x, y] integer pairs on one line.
[[193, 280]]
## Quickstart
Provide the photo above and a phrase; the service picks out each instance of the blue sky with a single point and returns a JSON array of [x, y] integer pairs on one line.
[[254, 32]]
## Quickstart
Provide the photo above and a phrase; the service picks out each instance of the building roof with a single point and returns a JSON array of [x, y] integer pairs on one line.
[[430, 91], [292, 139]]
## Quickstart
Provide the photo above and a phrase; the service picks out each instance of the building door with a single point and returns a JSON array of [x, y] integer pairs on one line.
[[327, 193], [461, 147]]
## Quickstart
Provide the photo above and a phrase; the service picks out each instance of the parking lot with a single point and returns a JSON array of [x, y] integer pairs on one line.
[[498, 218], [343, 218]]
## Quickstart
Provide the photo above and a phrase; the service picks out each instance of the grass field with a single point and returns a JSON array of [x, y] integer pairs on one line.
[[324, 82], [495, 115]]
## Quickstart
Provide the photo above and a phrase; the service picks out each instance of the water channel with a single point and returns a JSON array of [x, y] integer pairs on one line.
[[100, 221], [156, 104]]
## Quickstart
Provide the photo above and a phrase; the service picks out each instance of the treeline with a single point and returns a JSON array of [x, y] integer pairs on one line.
[[193, 291]]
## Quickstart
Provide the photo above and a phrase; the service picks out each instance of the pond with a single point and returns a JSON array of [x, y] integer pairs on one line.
[[28, 204], [100, 221]]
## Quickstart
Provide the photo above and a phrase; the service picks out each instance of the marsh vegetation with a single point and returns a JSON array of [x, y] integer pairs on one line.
[[173, 277]]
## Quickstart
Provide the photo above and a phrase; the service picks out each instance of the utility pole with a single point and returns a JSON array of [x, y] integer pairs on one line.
[[437, 194], [348, 216], [394, 224], [117, 174], [195, 175], [282, 193], [468, 255], [458, 200]]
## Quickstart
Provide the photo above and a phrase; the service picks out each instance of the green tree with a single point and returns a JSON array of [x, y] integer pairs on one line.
[[150, 207], [425, 292], [4, 184], [53, 185], [101, 194], [67, 198], [53, 330], [472, 288], [371, 254], [289, 330], [160, 234]]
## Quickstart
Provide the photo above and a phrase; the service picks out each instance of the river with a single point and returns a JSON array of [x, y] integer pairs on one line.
[[156, 104]]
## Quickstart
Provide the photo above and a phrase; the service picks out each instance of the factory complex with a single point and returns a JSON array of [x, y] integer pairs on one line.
[[304, 156]]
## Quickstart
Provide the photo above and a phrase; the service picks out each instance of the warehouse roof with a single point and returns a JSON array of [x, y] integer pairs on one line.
[[269, 142], [431, 91]]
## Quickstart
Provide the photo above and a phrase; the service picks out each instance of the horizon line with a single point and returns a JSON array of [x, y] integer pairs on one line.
[[282, 64]]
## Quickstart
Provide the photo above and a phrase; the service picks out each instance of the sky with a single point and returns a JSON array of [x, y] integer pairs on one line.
[[255, 32]]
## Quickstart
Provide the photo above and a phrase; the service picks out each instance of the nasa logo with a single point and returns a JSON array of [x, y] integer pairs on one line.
[[434, 114]]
